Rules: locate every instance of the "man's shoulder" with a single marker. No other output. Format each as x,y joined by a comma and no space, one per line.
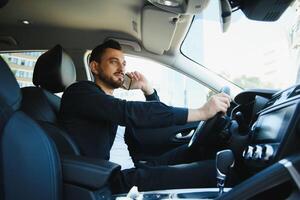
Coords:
82,84
82,87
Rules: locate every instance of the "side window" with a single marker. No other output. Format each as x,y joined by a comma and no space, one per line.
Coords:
22,65
174,88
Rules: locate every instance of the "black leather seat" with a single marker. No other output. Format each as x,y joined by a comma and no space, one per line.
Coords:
30,165
53,73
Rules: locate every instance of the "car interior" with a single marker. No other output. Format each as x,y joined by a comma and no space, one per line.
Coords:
258,137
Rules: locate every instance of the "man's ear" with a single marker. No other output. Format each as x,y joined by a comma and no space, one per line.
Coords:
93,67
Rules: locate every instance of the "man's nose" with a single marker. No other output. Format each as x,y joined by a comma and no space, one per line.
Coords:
122,67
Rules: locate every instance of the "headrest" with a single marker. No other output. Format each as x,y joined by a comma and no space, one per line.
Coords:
54,70
10,93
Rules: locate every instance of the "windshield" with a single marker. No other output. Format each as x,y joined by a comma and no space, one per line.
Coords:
251,54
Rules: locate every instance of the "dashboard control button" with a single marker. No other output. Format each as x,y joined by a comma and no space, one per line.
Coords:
257,152
268,152
248,152
245,152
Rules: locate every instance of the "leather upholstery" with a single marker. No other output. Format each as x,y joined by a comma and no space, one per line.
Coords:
43,107
65,145
40,104
30,165
54,70
87,172
10,94
3,3
31,162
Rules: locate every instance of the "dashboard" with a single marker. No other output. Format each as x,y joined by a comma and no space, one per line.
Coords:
268,120
273,119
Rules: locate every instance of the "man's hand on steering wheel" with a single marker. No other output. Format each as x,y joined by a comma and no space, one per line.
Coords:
217,103
212,119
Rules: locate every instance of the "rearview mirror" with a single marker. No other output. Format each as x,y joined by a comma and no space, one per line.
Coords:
264,10
225,14
181,6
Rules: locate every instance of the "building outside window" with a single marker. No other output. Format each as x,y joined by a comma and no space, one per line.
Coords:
22,65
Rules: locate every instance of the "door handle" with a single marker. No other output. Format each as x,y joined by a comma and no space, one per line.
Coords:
181,136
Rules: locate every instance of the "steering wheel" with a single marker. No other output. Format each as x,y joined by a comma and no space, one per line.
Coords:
207,131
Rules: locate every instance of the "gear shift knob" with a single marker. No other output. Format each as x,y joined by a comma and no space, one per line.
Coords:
224,161
225,90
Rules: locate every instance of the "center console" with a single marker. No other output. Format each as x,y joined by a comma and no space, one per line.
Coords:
224,161
201,193
272,135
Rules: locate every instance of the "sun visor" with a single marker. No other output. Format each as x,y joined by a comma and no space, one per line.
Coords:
158,28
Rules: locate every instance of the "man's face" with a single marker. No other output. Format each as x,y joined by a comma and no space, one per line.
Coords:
111,68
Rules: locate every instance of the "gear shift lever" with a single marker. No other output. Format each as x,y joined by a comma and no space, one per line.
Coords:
224,161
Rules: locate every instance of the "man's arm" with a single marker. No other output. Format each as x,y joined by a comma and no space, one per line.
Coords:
152,97
217,103
86,100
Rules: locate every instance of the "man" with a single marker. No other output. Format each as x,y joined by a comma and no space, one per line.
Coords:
91,114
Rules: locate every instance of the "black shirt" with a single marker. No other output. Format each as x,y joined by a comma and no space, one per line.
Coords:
91,117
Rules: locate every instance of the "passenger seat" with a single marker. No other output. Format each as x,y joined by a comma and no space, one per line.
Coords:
30,166
53,73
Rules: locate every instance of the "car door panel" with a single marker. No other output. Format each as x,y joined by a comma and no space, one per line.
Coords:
147,143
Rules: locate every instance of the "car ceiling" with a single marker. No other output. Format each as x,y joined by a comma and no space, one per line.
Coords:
75,24
75,14
80,25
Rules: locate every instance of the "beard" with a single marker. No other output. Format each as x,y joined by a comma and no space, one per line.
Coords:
109,80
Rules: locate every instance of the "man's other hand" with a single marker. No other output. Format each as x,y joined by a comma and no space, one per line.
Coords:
139,81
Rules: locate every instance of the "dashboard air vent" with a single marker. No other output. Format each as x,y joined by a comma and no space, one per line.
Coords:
273,100
295,92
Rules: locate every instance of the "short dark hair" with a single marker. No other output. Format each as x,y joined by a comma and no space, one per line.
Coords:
99,50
